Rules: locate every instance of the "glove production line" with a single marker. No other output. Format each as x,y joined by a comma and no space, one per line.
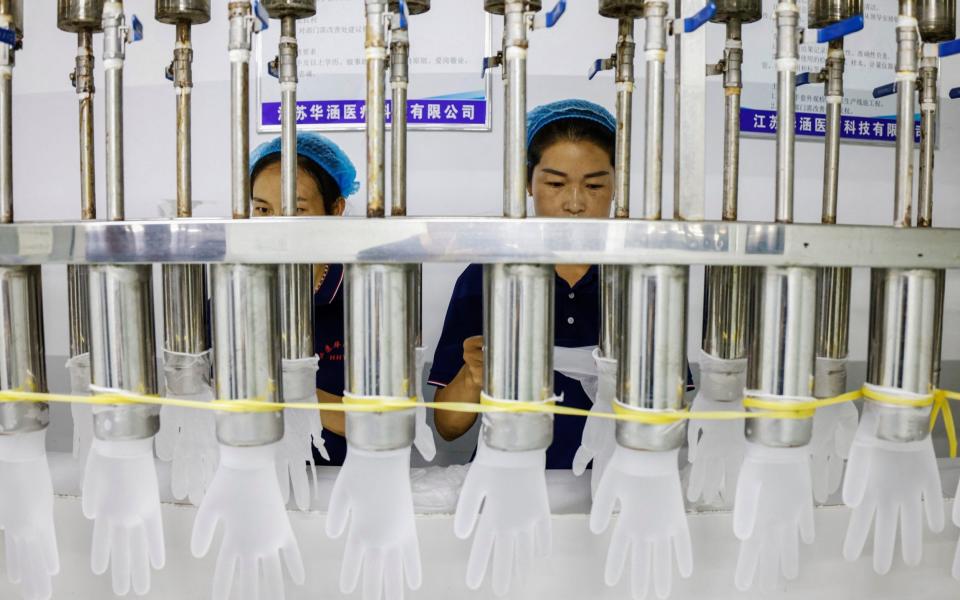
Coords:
233,406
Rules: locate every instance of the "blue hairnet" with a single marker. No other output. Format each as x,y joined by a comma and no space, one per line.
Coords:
322,152
573,108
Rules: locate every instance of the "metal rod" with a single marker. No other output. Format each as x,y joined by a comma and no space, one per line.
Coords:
7,61
241,30
83,82
114,50
655,50
689,117
928,120
376,56
833,93
787,59
515,105
183,84
907,46
399,79
732,85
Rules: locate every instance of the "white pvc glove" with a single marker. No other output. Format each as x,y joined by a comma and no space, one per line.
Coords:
78,368
245,500
772,513
716,447
886,480
423,438
956,521
599,435
121,496
26,514
833,428
652,527
188,438
514,525
295,450
372,496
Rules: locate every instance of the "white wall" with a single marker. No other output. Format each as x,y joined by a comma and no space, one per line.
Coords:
450,173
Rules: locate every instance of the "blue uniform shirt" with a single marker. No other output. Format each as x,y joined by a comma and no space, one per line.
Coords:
328,343
577,324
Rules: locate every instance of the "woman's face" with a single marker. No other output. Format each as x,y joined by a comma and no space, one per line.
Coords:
266,194
573,179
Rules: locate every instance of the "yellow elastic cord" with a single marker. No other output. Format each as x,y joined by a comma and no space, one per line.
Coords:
938,399
371,403
796,410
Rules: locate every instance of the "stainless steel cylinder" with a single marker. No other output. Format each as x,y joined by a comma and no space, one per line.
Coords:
787,58
376,60
783,366
652,373
184,296
114,51
732,85
194,12
744,11
414,7
833,311
833,93
655,51
726,306
612,280
515,108
78,307
82,78
928,122
246,358
622,9
296,299
907,46
399,79
22,356
8,14
518,327
937,20
821,13
75,16
498,7
241,31
298,9
941,284
380,357
123,348
182,70
626,49
900,349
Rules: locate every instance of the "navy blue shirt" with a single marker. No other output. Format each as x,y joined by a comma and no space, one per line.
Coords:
577,324
328,343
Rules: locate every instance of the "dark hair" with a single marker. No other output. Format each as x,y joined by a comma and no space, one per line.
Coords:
329,190
569,130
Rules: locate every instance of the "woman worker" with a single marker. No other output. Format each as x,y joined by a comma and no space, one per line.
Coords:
325,178
570,158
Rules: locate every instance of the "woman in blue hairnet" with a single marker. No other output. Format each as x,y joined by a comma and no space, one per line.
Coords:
570,169
325,178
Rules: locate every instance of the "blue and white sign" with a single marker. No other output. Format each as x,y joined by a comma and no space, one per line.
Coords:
445,90
870,60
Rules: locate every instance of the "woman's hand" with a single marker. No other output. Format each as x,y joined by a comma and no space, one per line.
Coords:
465,387
473,359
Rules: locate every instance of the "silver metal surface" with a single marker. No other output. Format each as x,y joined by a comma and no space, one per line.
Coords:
732,85
76,16
725,310
14,8
518,329
901,343
622,9
296,301
8,16
78,307
498,7
184,298
928,124
612,280
182,71
379,356
941,284
470,239
624,135
937,20
82,78
907,47
414,7
399,79
689,118
376,60
833,92
742,11
652,367
655,50
241,32
788,54
833,312
246,358
287,66
821,13
114,49
515,110
123,348
297,9
782,368
22,356
175,12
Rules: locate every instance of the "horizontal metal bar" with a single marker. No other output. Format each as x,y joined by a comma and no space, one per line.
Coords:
481,240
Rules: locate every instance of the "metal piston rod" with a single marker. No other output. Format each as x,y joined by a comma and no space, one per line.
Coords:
244,299
781,369
379,299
